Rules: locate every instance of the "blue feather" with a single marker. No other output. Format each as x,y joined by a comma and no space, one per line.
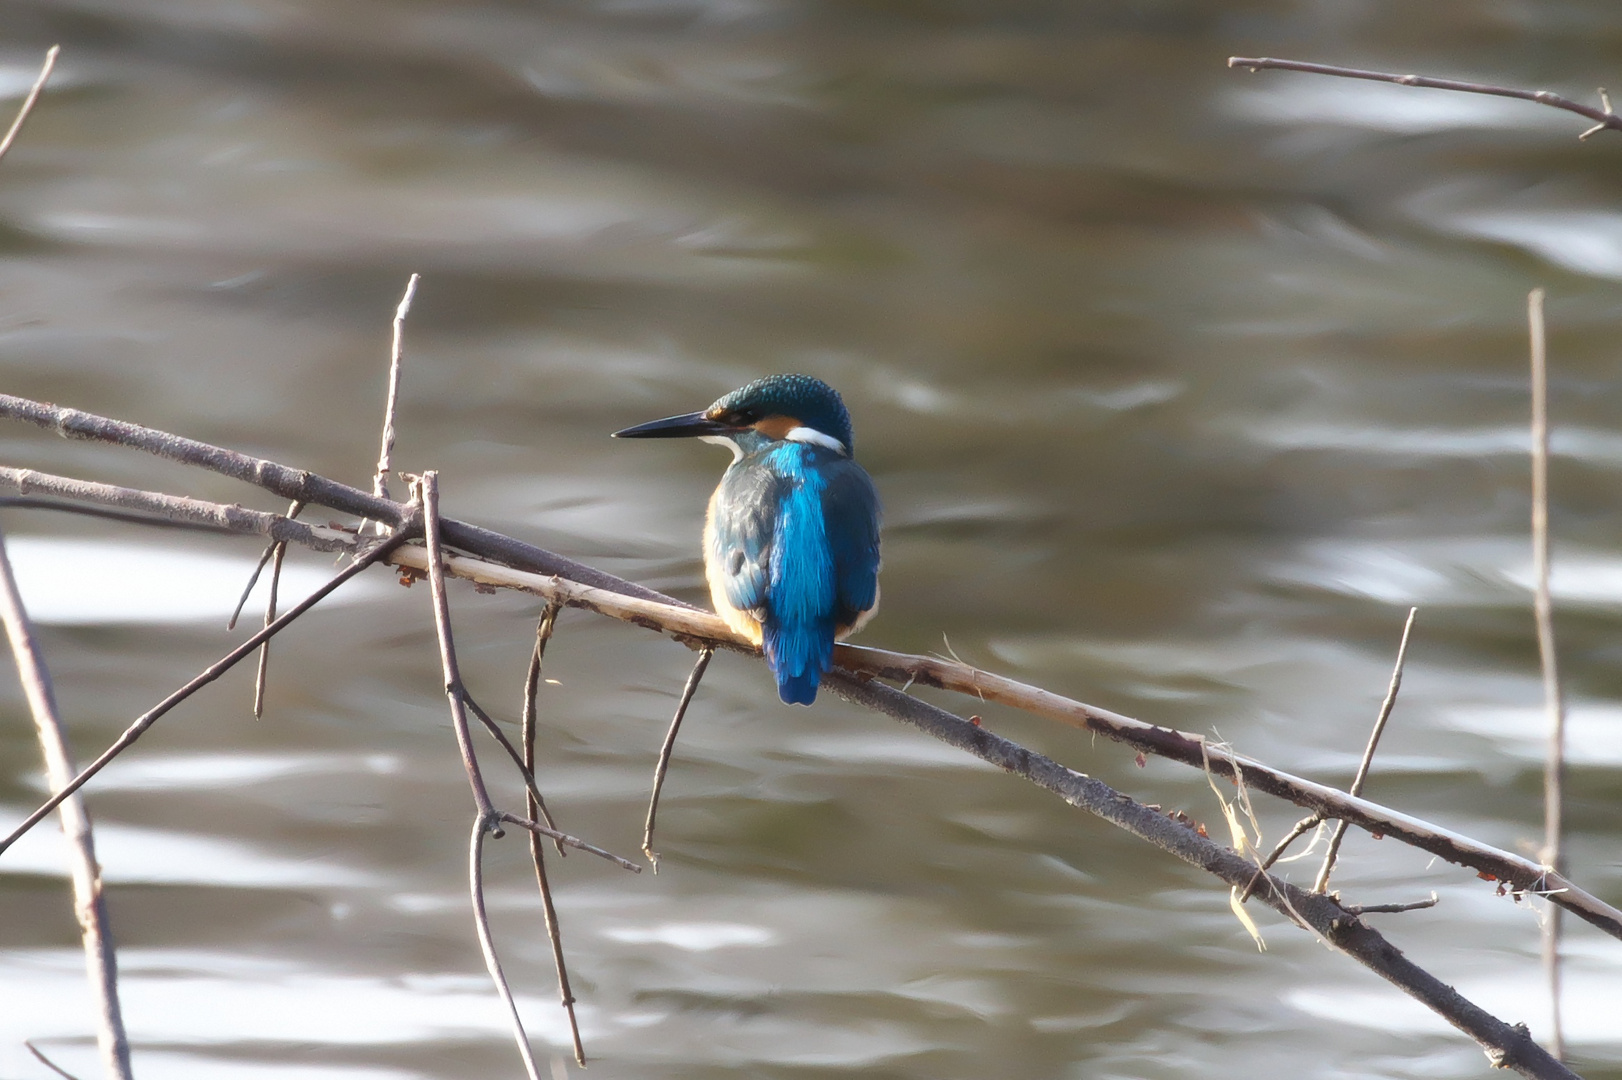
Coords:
798,631
793,540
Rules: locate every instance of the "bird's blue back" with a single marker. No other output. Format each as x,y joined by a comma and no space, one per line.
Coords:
794,540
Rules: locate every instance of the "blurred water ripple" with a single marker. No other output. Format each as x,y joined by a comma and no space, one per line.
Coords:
1179,384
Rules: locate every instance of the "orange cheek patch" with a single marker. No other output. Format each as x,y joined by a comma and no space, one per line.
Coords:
776,427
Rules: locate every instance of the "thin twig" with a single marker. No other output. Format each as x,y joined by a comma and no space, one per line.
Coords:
554,936
485,819
264,560
1604,118
481,922
537,849
263,669
1311,821
253,579
1392,909
572,841
278,553
427,492
660,769
89,903
47,1062
1328,867
380,482
1554,771
28,102
490,725
377,553
532,684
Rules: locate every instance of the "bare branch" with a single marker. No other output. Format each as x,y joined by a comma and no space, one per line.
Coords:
263,669
572,841
316,490
89,904
481,923
689,624
1604,118
194,513
537,850
524,771
1507,1046
253,579
380,481
39,1055
486,819
659,770
31,502
278,553
532,685
522,566
28,102
427,490
1391,909
1311,821
377,553
1554,771
1322,884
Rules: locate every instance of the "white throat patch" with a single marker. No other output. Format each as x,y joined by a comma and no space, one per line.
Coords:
804,434
722,440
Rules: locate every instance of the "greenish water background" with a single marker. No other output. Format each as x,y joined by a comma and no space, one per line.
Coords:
1180,385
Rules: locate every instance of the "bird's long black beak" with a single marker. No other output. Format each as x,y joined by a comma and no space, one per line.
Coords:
687,425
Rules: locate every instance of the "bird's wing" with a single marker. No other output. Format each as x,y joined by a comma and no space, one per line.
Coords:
743,518
794,540
852,513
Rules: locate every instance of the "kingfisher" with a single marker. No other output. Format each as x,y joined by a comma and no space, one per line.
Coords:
791,537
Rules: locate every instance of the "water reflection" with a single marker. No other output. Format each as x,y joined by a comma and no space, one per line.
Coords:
138,856
1179,384
187,997
88,582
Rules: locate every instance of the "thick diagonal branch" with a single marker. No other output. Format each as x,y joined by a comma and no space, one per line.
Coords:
636,604
1507,1046
305,486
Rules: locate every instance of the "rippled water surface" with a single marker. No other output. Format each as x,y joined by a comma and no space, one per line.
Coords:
1179,384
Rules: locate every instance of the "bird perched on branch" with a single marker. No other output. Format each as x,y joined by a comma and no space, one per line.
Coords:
791,540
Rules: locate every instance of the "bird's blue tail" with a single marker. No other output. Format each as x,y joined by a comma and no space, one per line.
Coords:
798,631
798,655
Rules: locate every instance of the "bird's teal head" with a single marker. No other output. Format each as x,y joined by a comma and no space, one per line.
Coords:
794,407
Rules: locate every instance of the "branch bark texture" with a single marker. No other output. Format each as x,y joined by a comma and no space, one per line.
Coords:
856,680
507,562
1508,1046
